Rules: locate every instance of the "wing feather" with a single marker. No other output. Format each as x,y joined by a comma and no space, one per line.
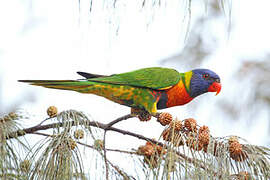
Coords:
154,78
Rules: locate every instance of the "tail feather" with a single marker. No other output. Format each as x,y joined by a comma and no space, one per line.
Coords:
60,84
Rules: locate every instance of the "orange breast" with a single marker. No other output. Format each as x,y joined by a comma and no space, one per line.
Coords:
177,95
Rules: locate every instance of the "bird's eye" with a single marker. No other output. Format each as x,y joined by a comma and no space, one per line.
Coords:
206,76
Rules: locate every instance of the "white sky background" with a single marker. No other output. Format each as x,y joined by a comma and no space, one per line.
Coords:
52,40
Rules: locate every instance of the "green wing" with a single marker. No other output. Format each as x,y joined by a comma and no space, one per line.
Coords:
154,78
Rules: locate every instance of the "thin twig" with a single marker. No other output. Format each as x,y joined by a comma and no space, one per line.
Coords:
44,121
105,155
43,134
128,116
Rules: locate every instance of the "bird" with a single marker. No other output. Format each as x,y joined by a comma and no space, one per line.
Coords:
147,89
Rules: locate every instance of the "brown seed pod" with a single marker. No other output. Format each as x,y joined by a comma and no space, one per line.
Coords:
236,151
233,139
150,149
191,124
146,150
204,129
176,125
204,138
164,118
71,144
52,111
140,150
78,134
235,148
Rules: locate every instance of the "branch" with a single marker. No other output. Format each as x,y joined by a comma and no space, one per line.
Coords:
103,126
74,118
105,154
106,127
119,119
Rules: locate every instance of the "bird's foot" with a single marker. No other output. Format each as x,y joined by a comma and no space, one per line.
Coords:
164,118
141,114
135,111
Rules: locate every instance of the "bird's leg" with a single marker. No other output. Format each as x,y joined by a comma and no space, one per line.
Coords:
135,111
162,117
156,114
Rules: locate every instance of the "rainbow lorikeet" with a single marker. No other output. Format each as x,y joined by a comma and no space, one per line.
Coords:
147,89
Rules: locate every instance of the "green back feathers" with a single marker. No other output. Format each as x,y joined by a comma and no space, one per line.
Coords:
153,78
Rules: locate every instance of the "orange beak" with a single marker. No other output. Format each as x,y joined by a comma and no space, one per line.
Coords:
215,87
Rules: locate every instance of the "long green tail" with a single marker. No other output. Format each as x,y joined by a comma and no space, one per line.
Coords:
73,85
122,94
